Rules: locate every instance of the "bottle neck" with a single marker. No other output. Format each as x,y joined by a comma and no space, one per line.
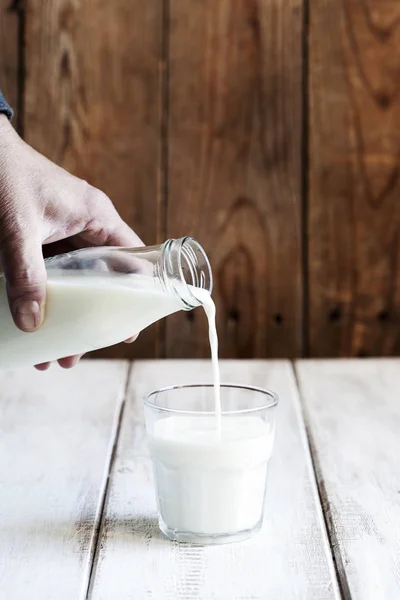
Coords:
183,267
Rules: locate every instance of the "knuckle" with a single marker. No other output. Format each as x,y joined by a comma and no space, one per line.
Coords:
14,229
96,198
26,279
98,229
84,187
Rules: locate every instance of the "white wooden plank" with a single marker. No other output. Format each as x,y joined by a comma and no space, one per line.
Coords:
289,559
56,434
353,414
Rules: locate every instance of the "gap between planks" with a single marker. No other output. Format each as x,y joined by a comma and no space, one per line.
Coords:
320,492
102,505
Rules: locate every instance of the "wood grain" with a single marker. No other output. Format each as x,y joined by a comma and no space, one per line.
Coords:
93,102
9,54
352,410
56,435
234,169
354,208
289,559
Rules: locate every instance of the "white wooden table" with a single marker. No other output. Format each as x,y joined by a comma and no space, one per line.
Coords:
77,509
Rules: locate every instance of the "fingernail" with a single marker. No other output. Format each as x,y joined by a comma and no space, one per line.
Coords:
27,314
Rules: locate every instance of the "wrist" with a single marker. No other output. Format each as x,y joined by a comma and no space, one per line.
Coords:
8,135
5,108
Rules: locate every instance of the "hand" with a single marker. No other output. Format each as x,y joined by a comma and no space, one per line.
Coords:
40,203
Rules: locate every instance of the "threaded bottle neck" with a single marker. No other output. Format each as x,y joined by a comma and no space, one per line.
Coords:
183,266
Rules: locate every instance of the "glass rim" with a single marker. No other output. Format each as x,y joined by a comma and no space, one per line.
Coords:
273,398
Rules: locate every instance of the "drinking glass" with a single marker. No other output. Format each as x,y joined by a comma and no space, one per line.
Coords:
210,470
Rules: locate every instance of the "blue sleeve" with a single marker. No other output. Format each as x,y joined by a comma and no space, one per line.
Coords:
4,107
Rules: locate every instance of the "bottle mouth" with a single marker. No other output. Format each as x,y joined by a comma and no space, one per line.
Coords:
187,257
194,266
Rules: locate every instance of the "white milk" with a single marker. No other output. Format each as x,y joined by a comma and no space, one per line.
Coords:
84,312
206,484
209,308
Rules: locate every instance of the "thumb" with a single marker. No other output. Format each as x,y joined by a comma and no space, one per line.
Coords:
25,273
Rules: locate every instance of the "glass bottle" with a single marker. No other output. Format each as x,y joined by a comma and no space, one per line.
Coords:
97,297
175,265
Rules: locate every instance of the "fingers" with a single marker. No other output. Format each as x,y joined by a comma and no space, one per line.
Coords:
69,361
66,363
123,235
132,339
24,269
105,227
43,366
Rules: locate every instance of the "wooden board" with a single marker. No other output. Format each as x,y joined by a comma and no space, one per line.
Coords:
234,169
56,436
92,104
354,208
9,54
289,559
353,415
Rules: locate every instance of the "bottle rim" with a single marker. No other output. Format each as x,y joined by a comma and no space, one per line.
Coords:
187,243
197,272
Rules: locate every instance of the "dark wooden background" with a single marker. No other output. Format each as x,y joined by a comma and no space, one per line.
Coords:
269,130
